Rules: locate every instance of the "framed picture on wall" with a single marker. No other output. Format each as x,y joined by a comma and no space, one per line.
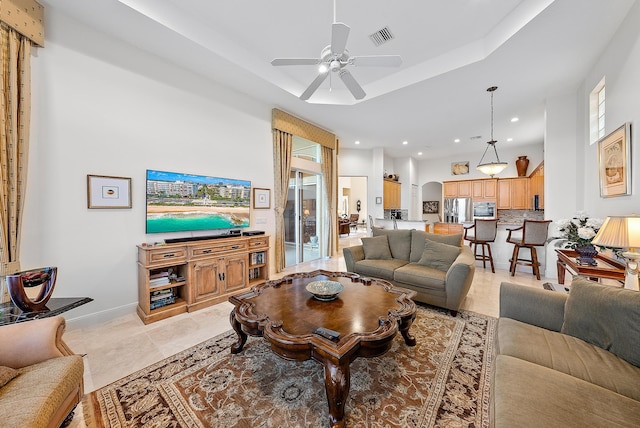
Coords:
261,198
108,192
430,207
614,162
460,168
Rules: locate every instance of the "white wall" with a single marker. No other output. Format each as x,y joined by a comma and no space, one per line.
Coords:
102,107
620,65
440,169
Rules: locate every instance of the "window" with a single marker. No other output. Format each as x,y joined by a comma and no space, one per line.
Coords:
597,112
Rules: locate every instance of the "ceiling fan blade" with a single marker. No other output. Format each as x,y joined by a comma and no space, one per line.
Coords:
296,61
376,61
351,84
339,36
313,86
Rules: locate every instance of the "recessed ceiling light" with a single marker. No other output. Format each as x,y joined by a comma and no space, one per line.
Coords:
515,119
457,140
405,143
419,153
357,142
509,139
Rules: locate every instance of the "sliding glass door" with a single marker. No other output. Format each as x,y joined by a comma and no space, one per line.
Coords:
303,218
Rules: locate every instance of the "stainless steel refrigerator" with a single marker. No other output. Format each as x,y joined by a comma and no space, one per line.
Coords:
458,210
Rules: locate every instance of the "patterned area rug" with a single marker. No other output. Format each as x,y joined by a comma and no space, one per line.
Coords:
441,382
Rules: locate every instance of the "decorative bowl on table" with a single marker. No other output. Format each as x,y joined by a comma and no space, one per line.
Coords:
325,290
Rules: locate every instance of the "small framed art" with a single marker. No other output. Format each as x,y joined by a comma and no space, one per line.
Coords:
430,207
261,198
614,162
108,192
460,168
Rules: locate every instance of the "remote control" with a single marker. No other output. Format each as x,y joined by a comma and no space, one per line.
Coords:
325,332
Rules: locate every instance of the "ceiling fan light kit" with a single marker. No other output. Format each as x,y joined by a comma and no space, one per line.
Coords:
335,58
494,167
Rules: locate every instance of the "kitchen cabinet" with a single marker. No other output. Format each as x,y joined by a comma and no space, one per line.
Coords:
457,189
520,194
536,185
391,194
484,189
450,189
513,194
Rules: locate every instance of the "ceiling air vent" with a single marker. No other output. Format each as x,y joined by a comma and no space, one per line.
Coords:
381,36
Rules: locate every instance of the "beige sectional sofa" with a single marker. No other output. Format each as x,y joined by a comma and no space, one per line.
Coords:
437,267
567,360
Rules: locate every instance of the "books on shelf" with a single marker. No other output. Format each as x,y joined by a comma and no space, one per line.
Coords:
254,273
160,298
257,258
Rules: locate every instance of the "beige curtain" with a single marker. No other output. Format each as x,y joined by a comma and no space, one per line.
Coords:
328,174
282,148
15,99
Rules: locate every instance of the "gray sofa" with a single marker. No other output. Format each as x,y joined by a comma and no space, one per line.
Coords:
567,360
437,267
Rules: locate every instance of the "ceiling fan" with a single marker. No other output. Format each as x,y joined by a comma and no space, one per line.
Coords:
335,58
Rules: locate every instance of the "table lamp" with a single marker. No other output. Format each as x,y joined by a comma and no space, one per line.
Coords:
623,232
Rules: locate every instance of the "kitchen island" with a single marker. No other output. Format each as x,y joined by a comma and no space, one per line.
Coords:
403,224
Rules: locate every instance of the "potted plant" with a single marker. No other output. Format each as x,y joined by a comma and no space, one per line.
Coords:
578,233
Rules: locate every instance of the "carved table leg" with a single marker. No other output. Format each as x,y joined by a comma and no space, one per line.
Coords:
405,325
242,336
561,269
337,381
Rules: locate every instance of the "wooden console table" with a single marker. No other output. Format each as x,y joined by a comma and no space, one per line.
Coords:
606,267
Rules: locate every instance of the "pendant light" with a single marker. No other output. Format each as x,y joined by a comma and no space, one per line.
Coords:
491,168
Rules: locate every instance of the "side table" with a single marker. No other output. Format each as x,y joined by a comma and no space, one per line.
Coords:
11,314
606,267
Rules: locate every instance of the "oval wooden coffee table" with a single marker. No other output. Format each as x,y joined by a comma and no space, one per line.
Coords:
367,314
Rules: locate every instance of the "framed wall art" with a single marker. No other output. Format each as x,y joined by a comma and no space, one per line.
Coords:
614,162
460,168
430,207
108,192
261,198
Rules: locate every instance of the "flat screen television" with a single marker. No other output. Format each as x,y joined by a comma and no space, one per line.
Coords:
186,202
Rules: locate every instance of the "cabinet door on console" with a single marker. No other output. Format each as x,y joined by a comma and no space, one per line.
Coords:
235,272
206,275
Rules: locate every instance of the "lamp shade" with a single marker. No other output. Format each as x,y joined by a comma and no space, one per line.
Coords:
619,232
492,168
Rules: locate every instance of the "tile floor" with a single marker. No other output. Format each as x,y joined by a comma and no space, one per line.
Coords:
124,345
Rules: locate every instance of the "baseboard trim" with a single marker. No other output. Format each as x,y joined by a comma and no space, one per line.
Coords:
100,317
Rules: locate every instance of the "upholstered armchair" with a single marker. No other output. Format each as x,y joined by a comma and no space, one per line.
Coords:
44,377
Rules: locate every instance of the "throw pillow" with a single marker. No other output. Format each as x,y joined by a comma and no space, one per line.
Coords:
438,255
376,248
605,316
6,374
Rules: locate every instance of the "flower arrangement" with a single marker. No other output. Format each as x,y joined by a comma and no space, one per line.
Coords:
580,230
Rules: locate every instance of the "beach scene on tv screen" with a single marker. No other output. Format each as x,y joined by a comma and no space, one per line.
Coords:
184,202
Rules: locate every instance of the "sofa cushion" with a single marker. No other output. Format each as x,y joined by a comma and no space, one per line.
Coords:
6,374
605,316
379,268
418,238
44,386
420,276
569,355
438,256
376,248
526,395
399,241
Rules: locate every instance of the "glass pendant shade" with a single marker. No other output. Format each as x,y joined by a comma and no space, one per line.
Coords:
494,167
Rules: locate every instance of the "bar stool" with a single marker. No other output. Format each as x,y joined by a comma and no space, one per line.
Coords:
534,234
485,233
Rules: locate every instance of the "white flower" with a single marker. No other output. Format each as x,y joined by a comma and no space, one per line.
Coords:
562,223
594,223
586,233
582,215
576,221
